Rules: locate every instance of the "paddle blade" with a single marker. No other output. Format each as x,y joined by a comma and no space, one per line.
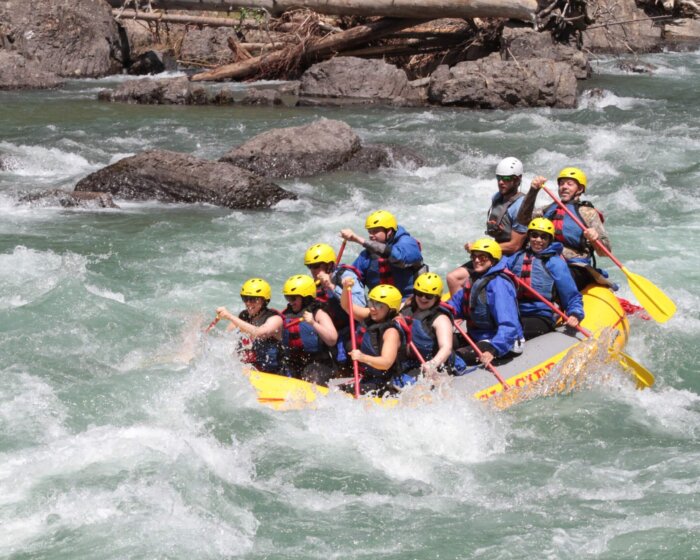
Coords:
656,303
644,377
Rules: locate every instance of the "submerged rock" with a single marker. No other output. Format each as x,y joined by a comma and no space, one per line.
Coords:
66,199
299,151
374,156
168,91
174,177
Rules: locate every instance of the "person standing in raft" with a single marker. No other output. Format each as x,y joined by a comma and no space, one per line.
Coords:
578,244
391,256
307,333
501,223
541,266
429,324
488,304
382,341
263,326
320,260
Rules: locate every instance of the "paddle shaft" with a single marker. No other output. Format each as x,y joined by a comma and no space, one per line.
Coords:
644,377
548,303
657,304
480,354
353,338
212,324
340,252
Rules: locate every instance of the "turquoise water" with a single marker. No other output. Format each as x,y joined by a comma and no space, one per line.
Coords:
124,433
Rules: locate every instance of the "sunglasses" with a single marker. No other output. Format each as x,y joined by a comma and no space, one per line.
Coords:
425,296
538,235
292,299
506,178
377,304
480,256
314,266
251,299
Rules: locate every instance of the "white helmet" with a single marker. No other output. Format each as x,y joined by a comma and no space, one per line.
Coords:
510,166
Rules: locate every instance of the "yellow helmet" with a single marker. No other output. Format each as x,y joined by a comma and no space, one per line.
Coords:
487,245
542,224
386,294
428,283
381,218
574,173
256,287
319,253
300,285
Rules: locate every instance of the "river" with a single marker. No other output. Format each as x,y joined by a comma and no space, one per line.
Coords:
125,433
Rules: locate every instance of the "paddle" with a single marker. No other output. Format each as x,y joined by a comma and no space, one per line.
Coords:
340,252
353,338
479,353
212,324
657,303
644,377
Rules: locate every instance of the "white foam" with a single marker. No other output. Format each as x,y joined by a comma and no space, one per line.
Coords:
27,274
105,293
47,165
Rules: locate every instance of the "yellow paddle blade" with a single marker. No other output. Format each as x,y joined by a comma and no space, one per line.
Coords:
657,304
644,377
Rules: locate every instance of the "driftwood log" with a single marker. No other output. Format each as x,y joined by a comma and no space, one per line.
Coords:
316,50
524,10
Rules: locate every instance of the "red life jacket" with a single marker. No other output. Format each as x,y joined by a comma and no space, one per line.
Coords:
526,277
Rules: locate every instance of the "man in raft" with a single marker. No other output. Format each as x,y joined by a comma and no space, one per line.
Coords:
541,266
320,260
578,243
501,223
488,304
390,256
261,346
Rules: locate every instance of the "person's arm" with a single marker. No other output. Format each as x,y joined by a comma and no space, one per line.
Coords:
443,332
527,208
359,312
595,230
517,240
390,350
323,325
569,295
358,289
405,253
268,329
500,297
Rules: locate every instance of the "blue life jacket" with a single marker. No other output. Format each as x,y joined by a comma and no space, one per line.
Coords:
371,344
398,269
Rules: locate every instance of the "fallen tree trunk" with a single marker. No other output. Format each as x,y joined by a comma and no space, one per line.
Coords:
419,9
316,50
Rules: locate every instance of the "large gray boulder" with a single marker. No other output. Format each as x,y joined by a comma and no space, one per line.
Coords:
523,43
71,38
492,83
175,177
17,72
300,151
351,80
